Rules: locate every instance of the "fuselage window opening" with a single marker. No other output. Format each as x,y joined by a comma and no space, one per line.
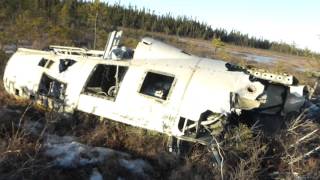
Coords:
157,85
17,92
105,81
42,62
65,64
51,87
49,64
46,63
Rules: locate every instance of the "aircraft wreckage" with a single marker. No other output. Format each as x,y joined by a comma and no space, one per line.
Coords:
155,86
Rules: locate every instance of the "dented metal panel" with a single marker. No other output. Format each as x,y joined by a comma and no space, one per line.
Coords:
219,83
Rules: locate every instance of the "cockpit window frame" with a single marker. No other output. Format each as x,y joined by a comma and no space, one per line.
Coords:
158,99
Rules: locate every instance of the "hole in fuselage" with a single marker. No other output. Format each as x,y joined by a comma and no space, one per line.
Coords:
32,97
251,89
17,92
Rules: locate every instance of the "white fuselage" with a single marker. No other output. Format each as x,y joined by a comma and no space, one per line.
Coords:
198,85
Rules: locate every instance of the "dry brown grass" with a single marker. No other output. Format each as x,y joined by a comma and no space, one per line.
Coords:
301,137
247,155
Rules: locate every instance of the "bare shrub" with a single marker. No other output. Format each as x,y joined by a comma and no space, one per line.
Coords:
19,155
199,165
300,144
245,153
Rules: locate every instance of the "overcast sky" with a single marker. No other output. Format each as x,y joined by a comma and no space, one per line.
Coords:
291,21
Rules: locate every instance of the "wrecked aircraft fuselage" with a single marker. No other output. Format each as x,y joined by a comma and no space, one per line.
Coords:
155,86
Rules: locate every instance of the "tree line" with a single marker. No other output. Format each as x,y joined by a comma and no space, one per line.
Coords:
72,22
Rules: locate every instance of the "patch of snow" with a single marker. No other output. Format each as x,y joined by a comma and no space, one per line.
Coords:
55,139
32,127
96,175
137,166
68,153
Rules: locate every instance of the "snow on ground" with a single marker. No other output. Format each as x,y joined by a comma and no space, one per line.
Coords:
32,127
66,153
95,175
137,166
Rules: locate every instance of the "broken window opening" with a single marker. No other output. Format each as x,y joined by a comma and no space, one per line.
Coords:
65,64
49,64
42,62
105,80
32,97
121,53
17,92
46,63
157,85
51,87
188,127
